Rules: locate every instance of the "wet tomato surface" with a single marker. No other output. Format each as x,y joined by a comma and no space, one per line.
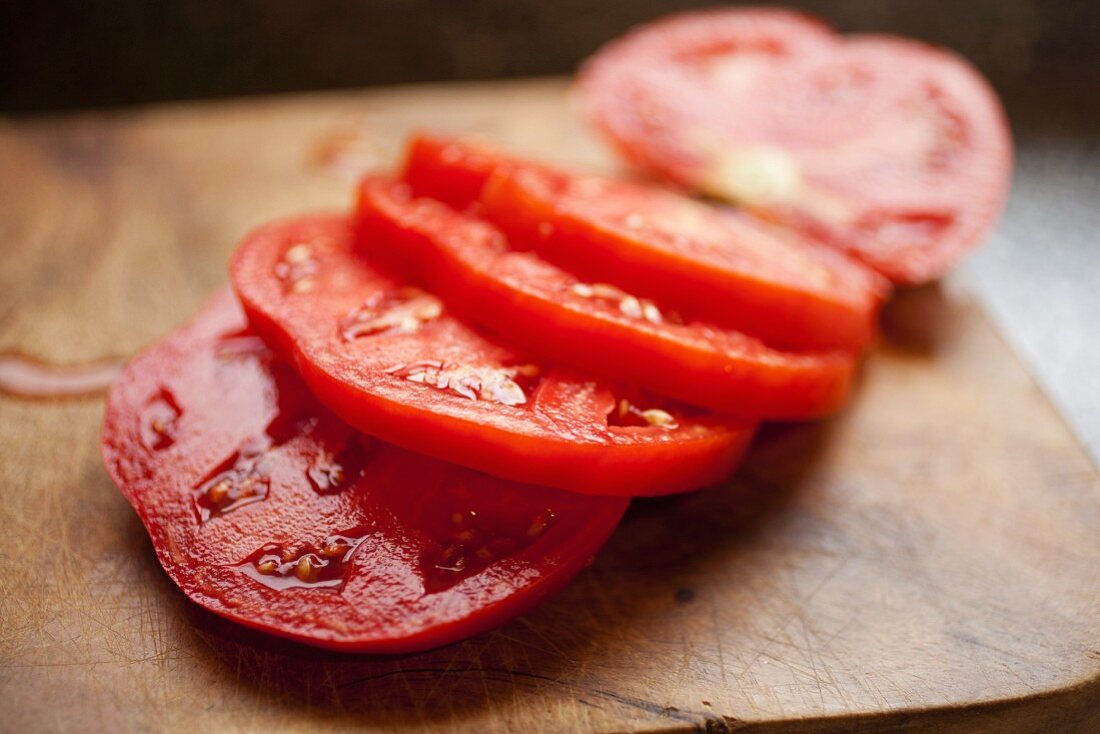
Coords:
448,170
597,326
265,508
390,360
891,150
708,263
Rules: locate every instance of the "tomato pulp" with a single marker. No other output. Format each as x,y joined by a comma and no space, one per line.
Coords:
264,508
550,311
891,150
448,170
709,264
391,361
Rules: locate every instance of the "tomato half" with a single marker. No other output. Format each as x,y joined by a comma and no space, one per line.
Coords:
266,509
710,264
389,360
547,310
891,150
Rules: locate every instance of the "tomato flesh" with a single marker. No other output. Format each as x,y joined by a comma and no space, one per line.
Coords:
890,150
710,264
632,88
392,362
448,170
716,265
547,310
265,508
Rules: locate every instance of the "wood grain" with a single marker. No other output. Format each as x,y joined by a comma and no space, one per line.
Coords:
927,561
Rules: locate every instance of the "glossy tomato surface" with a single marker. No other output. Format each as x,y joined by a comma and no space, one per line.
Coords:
547,310
265,508
451,171
891,150
712,264
390,360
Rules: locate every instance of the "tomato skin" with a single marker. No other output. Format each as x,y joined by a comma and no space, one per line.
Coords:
531,303
893,152
559,438
213,401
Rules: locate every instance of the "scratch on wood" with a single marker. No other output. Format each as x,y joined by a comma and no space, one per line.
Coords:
667,712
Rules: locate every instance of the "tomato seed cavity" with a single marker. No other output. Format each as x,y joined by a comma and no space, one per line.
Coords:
322,564
401,311
159,421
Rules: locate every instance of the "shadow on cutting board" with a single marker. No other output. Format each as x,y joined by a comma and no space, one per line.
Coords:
918,320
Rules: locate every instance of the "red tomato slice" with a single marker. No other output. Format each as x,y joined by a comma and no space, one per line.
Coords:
599,327
893,151
266,509
390,361
710,264
448,170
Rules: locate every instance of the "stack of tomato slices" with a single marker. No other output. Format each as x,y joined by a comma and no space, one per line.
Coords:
410,423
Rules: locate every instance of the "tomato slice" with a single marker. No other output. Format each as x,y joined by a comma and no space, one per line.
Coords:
547,310
451,171
631,88
389,360
714,265
710,264
266,509
891,150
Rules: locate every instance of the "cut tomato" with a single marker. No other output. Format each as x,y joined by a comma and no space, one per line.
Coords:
266,509
710,264
448,170
549,311
389,360
890,150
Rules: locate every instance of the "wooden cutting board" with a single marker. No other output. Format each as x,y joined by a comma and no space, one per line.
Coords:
928,560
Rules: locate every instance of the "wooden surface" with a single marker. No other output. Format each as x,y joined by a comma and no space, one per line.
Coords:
1047,244
929,560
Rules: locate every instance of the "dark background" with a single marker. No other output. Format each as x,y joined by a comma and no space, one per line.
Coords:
63,55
